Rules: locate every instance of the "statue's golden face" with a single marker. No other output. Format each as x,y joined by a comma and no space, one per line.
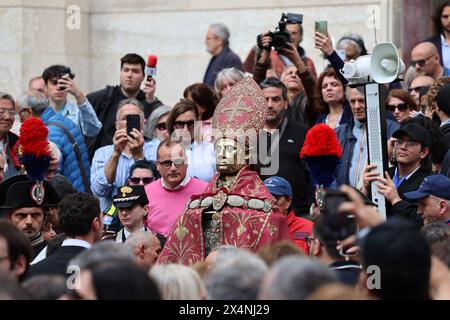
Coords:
230,156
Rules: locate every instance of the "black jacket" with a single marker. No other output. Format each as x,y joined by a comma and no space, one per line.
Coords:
56,263
405,208
105,104
445,168
290,166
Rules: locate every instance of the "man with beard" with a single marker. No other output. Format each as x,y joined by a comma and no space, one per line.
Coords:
284,139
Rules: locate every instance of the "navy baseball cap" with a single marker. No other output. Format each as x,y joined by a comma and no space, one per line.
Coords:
436,185
278,186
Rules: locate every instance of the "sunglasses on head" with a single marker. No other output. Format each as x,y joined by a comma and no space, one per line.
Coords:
161,126
182,124
145,180
401,107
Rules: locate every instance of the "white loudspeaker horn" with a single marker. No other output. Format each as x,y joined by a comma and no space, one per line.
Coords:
386,64
357,71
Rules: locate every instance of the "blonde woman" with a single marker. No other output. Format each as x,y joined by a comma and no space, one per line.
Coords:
178,282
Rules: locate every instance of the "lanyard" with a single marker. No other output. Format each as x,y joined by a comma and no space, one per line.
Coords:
396,180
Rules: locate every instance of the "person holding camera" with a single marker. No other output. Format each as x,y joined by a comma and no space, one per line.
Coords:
59,83
293,32
298,105
111,164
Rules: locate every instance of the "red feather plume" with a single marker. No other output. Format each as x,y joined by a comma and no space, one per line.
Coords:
321,140
33,139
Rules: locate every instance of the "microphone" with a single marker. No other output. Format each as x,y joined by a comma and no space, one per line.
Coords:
150,68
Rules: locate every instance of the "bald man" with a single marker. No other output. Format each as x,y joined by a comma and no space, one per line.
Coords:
419,83
145,246
425,58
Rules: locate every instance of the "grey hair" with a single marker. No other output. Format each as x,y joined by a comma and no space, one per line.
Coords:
102,251
296,278
153,119
222,32
238,277
436,231
132,101
224,252
347,91
8,97
138,237
178,282
37,103
232,74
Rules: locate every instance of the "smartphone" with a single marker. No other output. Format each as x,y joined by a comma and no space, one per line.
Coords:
322,27
65,72
339,225
133,121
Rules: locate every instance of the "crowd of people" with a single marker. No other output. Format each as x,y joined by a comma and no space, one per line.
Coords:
103,207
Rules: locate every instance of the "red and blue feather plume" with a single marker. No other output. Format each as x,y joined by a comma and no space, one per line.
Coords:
322,152
34,151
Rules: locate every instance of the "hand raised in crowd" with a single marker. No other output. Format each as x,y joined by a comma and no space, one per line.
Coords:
323,43
265,39
149,90
365,215
69,86
391,148
136,144
387,188
120,140
290,52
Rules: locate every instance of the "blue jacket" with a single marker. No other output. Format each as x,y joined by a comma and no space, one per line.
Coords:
69,165
348,141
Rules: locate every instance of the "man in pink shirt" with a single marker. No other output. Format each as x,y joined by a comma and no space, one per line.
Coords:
168,196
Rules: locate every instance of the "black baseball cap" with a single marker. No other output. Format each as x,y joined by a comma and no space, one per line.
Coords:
415,132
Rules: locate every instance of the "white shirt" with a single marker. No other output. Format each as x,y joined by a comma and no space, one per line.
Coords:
76,243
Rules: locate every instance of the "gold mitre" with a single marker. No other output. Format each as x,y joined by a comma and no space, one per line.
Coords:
242,111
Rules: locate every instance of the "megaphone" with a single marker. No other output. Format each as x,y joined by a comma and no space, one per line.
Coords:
386,64
357,71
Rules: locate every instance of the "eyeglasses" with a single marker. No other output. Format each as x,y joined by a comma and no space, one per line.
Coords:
145,180
161,126
401,107
182,124
4,258
418,89
409,143
421,62
11,112
168,163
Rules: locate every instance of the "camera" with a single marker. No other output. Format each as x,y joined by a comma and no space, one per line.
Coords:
280,37
339,225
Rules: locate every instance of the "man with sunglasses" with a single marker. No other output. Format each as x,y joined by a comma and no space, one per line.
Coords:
419,87
412,147
168,196
425,58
